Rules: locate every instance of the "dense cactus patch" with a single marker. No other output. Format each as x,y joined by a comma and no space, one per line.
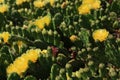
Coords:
59,39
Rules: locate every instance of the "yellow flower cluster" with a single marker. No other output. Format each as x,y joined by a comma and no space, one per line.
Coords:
84,9
100,35
3,8
87,5
20,65
19,2
1,1
39,4
73,38
5,36
42,3
43,21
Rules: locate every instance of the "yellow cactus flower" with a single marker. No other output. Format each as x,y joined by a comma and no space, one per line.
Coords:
84,9
40,23
87,5
100,35
88,1
52,2
1,1
42,3
96,4
32,55
73,38
3,8
5,36
43,21
46,19
39,4
24,65
20,65
11,68
19,2
93,4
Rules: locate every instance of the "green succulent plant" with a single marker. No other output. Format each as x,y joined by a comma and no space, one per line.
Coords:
75,39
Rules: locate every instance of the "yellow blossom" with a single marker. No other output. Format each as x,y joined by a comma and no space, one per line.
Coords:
88,1
100,35
52,2
24,65
20,65
87,5
43,21
73,38
39,4
28,0
40,23
3,8
11,68
93,4
5,36
46,19
84,9
1,1
32,55
96,4
19,2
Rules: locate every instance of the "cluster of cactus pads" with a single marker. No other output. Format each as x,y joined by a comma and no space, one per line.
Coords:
59,39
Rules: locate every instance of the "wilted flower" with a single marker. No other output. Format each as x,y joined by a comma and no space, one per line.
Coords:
100,35
20,44
73,38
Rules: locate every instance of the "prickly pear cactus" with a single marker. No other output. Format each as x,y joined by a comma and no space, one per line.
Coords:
59,39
